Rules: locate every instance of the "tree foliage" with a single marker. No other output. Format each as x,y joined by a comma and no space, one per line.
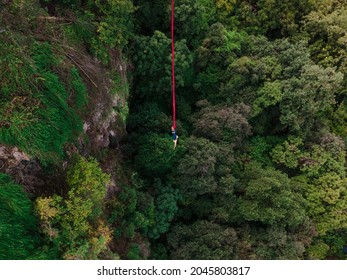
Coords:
76,223
221,122
152,60
259,171
165,208
202,240
271,198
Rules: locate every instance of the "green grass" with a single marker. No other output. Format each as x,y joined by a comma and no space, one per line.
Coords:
34,110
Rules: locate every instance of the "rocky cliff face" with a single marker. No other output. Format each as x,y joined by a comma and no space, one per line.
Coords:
103,123
102,128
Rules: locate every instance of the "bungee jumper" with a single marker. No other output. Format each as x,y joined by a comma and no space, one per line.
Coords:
173,127
174,136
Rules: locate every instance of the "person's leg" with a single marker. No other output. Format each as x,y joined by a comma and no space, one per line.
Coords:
175,142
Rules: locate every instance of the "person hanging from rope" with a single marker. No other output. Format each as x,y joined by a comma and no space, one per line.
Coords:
173,127
174,136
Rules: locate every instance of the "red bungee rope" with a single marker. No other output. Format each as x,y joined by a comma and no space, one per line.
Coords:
173,84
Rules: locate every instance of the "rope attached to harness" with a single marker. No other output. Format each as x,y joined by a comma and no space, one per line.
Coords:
173,84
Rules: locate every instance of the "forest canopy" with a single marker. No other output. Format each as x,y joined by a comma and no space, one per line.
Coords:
259,171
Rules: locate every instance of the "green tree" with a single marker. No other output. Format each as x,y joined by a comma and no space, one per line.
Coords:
202,240
156,156
221,123
192,19
82,232
152,58
308,99
131,213
279,243
282,84
204,169
149,16
260,148
325,29
325,157
271,198
148,118
318,251
274,18
102,25
217,50
288,153
165,208
114,26
195,171
257,62
326,198
321,172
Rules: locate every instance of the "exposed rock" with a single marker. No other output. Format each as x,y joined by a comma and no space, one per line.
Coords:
11,157
86,127
102,111
19,156
3,152
18,164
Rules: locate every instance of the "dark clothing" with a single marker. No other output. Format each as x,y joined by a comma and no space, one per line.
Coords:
174,135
